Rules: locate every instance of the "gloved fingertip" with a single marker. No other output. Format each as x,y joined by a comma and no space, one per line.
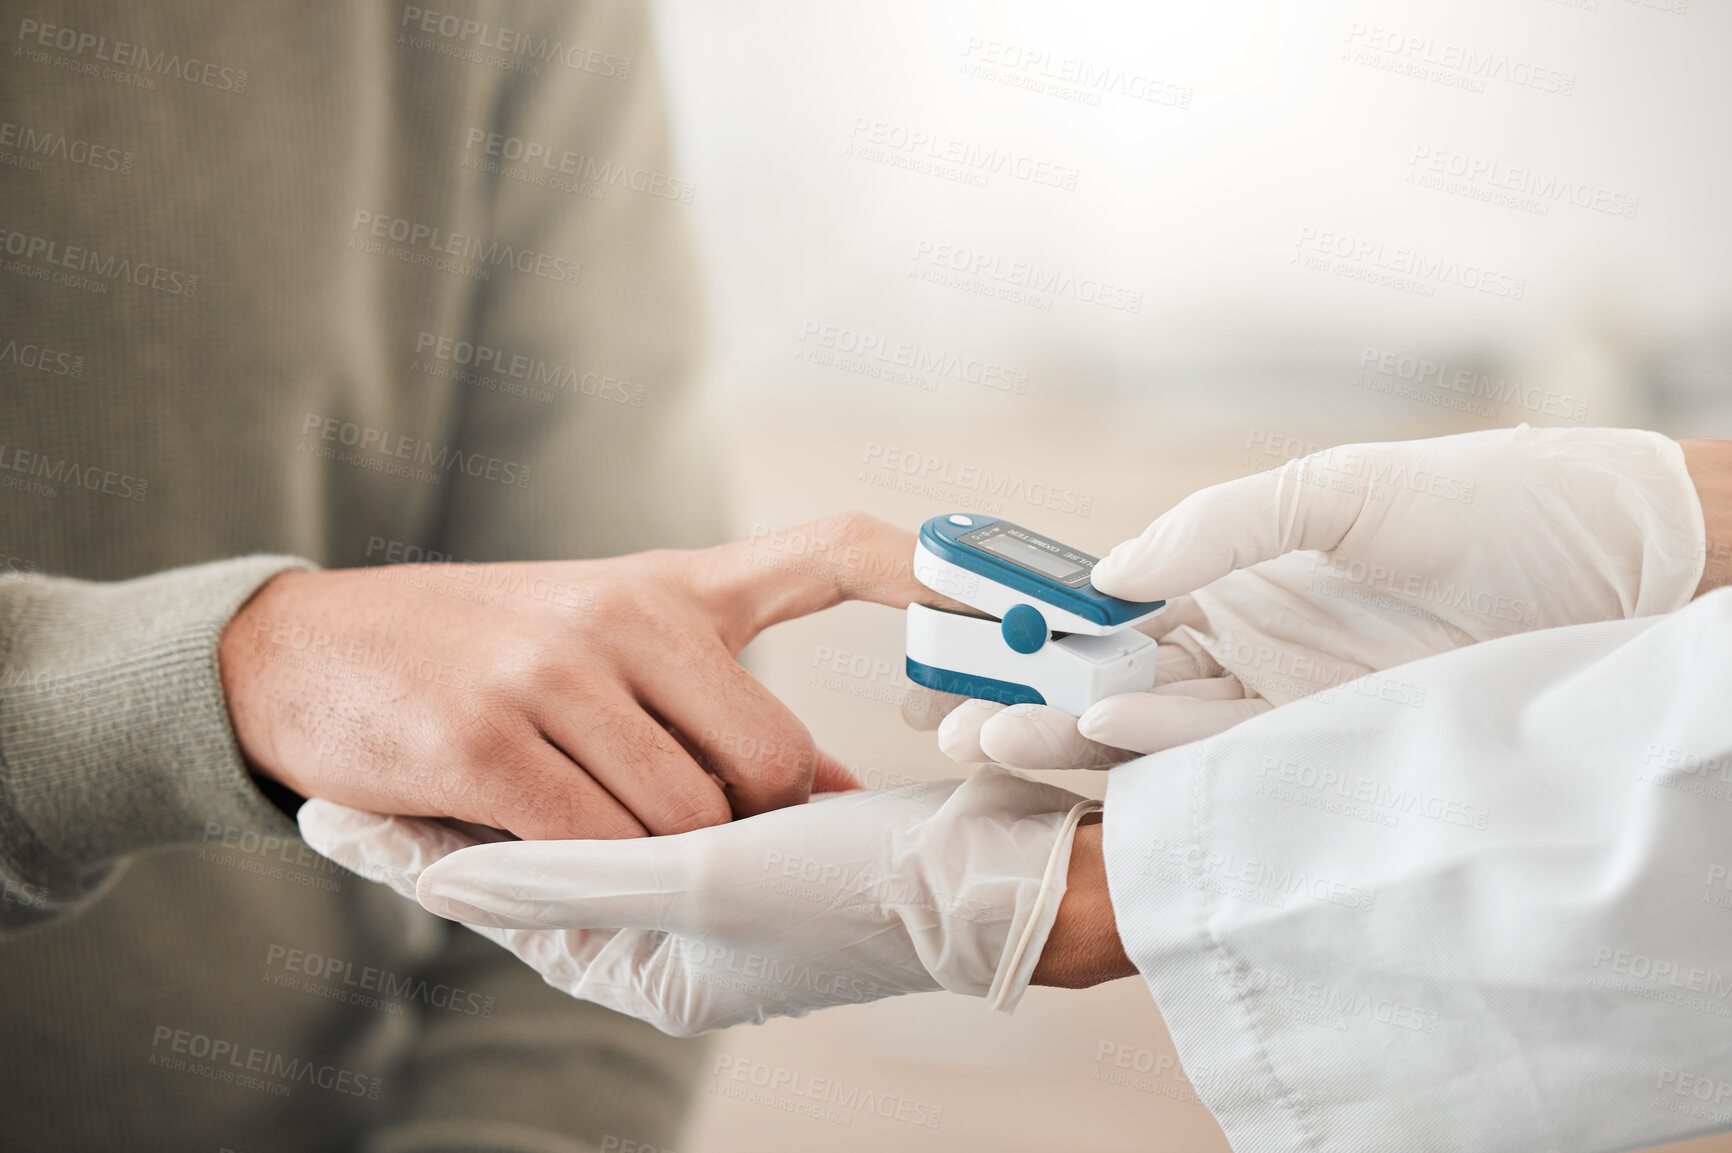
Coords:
1097,722
1123,721
441,902
1037,737
1117,574
1148,569
455,910
959,733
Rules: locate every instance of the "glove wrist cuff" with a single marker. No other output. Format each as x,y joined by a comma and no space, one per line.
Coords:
1027,941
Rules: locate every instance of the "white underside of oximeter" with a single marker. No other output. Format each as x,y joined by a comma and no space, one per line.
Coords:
1070,673
977,592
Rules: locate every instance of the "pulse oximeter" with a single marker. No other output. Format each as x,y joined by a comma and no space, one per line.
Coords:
1052,638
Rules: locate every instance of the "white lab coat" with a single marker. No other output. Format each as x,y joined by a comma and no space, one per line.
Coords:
1478,902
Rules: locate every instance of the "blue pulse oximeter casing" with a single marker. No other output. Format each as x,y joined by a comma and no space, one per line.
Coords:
1056,640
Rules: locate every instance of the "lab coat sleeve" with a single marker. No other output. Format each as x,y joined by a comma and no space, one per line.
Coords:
114,733
1478,902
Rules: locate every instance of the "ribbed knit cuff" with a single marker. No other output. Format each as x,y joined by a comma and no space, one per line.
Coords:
114,733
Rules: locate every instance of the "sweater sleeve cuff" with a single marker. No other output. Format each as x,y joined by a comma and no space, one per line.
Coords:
114,731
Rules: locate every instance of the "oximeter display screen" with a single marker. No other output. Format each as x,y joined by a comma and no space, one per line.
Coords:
1028,556
1031,551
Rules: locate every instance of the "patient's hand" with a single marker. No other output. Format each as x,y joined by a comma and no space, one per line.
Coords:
595,698
1365,557
853,897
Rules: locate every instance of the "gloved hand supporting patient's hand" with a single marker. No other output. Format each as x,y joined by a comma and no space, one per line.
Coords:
1361,558
850,898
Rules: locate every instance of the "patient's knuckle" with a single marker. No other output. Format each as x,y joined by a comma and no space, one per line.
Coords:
620,600
695,809
553,813
488,730
511,786
782,762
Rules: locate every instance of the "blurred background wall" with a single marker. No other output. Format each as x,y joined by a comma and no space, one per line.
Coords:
1067,263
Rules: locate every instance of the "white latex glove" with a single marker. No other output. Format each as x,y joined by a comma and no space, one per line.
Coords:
1361,558
853,897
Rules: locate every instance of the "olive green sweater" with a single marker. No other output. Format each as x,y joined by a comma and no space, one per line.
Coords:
286,284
